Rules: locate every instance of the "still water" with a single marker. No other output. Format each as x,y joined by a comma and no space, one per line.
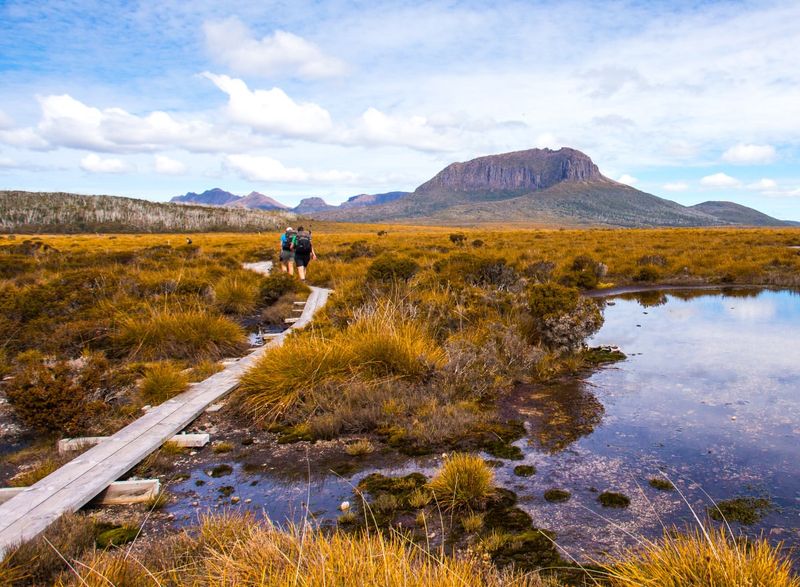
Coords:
709,397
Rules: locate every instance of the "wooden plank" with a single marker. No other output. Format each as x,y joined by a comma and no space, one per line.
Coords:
77,482
81,443
291,320
118,493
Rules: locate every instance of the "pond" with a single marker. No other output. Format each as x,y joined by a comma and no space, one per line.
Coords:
708,398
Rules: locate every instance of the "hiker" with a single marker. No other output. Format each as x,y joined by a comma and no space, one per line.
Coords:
303,251
287,251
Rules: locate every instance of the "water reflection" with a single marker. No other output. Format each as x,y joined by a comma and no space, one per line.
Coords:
558,415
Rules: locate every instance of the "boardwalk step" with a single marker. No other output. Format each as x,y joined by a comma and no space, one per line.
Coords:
291,320
182,440
118,493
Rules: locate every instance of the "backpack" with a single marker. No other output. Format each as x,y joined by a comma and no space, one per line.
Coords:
286,245
302,243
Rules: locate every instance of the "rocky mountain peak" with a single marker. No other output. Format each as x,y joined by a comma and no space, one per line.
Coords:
520,171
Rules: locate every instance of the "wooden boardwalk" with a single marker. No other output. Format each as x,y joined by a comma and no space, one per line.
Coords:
80,480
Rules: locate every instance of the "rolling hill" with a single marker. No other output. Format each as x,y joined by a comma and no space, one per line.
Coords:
29,212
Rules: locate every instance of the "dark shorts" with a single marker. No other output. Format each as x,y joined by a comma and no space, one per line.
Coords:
302,260
286,256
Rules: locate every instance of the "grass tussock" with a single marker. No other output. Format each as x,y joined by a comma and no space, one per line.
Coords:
183,334
237,293
464,481
163,381
37,471
378,345
703,557
231,550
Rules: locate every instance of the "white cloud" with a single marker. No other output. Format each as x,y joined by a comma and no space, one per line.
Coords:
7,163
628,179
263,168
168,166
720,180
749,154
231,43
378,128
5,121
763,184
93,163
272,111
677,186
67,122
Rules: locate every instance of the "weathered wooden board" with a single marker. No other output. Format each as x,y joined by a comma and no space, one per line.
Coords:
118,493
76,483
84,442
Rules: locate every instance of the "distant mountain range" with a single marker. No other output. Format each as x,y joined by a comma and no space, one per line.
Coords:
257,201
538,186
548,187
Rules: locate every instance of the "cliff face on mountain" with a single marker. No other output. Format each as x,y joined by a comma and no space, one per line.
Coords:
520,171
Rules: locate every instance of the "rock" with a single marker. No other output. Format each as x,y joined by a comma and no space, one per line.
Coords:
345,505
235,499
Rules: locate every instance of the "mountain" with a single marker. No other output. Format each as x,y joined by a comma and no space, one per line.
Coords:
256,201
560,187
312,206
212,197
372,199
57,212
737,214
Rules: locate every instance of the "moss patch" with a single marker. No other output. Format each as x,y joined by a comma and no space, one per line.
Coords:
745,510
661,484
226,490
611,499
221,470
557,495
603,354
108,537
504,450
524,470
528,551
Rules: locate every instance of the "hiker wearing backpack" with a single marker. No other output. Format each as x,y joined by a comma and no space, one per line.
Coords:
287,251
303,251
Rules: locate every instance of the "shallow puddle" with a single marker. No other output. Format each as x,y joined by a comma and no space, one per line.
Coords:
709,398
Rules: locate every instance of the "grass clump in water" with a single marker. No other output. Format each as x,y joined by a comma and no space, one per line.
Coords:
611,499
557,495
661,484
464,481
745,510
524,470
220,470
359,448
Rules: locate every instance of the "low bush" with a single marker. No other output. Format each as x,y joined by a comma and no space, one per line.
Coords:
163,381
464,481
560,318
57,396
390,267
278,284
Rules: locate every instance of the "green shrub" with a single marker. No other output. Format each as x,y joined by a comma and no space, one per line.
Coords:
57,397
163,381
647,274
389,267
476,270
464,481
560,318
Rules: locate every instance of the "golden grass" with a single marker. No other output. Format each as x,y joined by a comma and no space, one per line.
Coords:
228,551
703,557
181,334
37,472
379,345
237,293
163,381
464,481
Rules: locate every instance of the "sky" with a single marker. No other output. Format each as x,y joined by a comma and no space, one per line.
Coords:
692,101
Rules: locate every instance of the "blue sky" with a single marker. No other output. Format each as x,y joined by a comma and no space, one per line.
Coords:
692,101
